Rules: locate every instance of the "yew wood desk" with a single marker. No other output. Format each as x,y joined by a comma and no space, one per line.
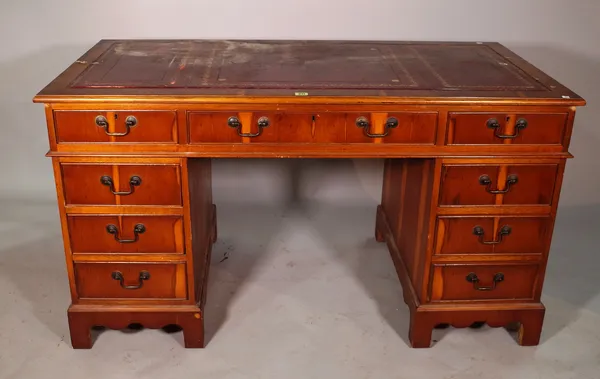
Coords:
475,141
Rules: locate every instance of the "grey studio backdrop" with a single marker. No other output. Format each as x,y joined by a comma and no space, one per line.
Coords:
40,38
299,233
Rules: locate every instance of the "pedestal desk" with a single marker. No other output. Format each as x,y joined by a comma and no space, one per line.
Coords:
474,138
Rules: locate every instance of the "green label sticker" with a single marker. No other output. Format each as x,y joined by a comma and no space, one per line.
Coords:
301,93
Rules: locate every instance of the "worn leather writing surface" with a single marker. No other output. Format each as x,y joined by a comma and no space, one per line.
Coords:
282,68
239,64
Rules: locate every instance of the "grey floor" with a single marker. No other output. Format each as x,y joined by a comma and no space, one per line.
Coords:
306,292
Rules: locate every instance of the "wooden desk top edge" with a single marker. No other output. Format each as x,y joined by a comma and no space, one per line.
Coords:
60,91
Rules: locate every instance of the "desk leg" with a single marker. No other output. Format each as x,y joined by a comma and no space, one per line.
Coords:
80,329
531,328
82,318
420,330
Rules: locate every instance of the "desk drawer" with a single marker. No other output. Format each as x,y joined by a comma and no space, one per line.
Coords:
484,282
398,127
126,234
492,235
116,126
502,128
130,281
323,127
122,184
517,184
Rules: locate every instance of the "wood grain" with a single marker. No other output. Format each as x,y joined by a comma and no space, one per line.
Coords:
83,318
167,281
406,203
542,129
182,94
162,234
528,235
203,223
160,184
450,284
80,126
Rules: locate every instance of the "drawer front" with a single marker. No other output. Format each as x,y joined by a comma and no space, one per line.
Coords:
270,127
492,235
130,281
498,185
232,127
501,128
104,184
116,126
126,234
484,282
397,127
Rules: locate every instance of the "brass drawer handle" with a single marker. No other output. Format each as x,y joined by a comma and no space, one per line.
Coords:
362,122
235,123
472,278
485,180
130,122
134,181
118,275
137,230
493,123
504,231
